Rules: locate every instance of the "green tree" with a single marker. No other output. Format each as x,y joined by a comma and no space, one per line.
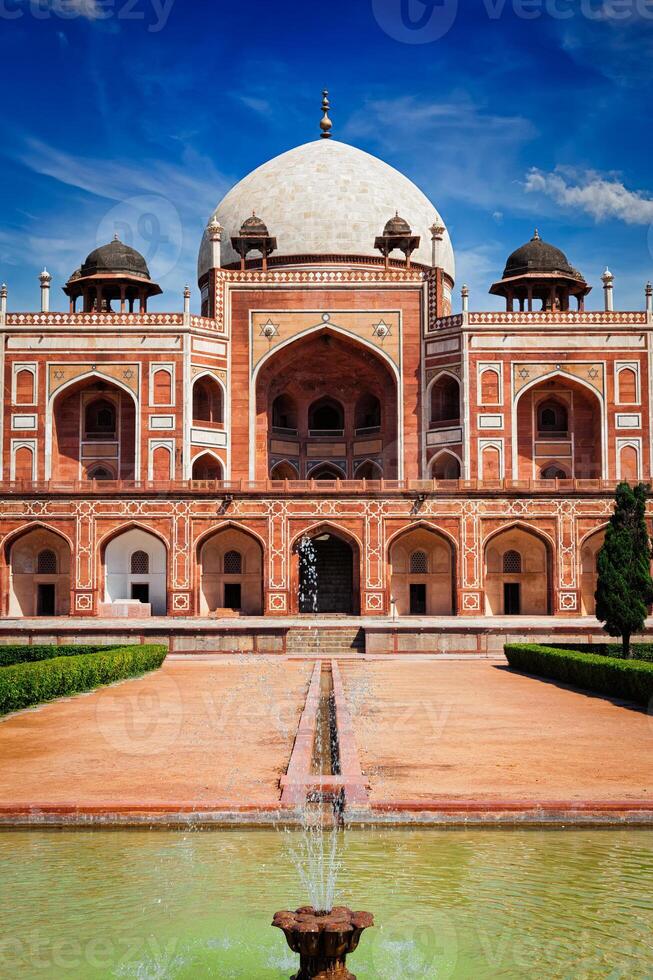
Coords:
625,588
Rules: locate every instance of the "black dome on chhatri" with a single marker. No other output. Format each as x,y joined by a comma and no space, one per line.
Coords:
396,226
253,226
538,256
116,258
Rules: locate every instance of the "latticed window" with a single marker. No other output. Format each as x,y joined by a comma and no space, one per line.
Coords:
419,564
46,563
512,563
233,563
140,563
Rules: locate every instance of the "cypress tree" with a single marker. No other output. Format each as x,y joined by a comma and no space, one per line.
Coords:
625,588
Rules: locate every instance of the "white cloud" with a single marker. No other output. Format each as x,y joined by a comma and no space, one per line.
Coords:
599,195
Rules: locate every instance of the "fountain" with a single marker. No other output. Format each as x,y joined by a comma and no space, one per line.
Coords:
323,934
323,940
308,602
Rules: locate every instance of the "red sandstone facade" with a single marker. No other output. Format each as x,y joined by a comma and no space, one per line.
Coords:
440,464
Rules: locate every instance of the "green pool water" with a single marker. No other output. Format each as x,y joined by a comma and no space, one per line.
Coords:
556,904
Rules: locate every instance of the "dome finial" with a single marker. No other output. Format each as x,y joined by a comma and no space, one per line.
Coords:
536,236
326,124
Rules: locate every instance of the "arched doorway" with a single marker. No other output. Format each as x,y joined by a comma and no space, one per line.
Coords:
422,574
327,573
207,467
230,566
208,407
517,574
39,574
558,430
135,563
445,466
445,401
589,553
93,426
284,471
328,398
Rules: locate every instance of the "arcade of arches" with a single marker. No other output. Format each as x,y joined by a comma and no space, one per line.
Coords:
326,409
423,573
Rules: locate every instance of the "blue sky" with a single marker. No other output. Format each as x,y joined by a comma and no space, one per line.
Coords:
138,115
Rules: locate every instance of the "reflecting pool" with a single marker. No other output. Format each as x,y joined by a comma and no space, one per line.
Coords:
474,903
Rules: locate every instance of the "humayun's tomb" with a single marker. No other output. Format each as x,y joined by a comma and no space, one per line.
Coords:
170,464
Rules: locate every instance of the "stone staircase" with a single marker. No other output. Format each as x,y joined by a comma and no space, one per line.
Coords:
325,640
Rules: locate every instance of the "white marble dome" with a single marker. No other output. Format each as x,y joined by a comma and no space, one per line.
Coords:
327,198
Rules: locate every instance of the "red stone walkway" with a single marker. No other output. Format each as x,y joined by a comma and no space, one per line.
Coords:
191,733
474,731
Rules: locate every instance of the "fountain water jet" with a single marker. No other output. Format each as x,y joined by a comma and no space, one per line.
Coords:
322,934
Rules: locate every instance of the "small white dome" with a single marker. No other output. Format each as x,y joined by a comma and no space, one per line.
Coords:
327,198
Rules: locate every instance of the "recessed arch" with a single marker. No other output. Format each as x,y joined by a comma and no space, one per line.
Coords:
129,459
284,470
444,396
221,582
427,591
35,587
368,469
524,592
338,566
320,363
207,465
583,445
448,463
208,400
319,471
588,549
126,582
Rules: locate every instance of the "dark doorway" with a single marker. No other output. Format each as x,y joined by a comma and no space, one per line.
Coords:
334,565
418,600
141,592
511,599
45,600
232,595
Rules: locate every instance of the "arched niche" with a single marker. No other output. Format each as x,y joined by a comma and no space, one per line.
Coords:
206,466
317,394
208,402
517,574
121,583
589,553
94,423
39,563
422,573
337,573
230,563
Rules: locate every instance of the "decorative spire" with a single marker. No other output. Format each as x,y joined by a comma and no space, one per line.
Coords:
536,236
326,124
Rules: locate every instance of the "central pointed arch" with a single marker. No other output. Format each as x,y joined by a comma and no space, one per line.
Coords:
338,556
324,378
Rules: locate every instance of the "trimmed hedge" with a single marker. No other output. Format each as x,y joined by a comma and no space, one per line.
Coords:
639,651
618,678
23,653
26,684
